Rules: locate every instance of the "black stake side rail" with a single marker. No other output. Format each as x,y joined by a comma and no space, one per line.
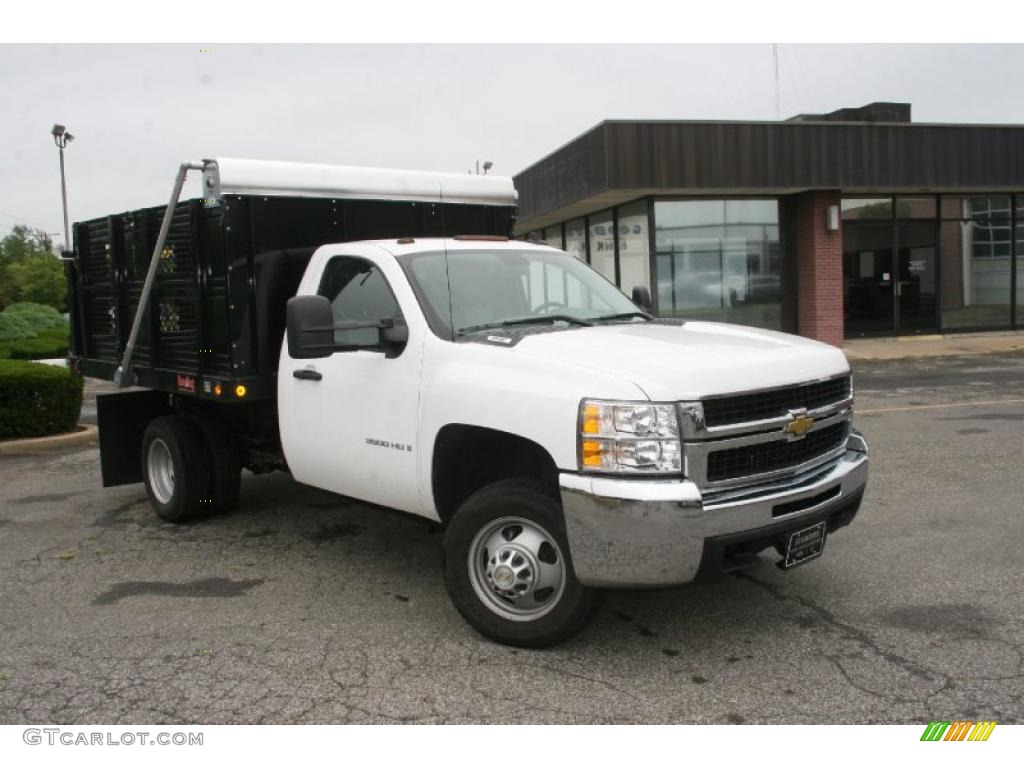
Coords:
221,282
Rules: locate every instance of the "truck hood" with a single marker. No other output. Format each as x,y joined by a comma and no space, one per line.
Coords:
690,361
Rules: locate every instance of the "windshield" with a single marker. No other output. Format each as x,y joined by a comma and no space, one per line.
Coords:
491,288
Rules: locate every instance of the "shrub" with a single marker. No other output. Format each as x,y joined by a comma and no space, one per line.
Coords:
38,316
37,399
13,327
50,343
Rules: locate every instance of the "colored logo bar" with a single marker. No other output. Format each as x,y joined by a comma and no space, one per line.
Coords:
958,730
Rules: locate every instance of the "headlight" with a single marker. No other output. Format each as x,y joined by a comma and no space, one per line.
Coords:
629,438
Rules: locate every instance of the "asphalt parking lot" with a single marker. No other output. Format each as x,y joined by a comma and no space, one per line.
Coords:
303,607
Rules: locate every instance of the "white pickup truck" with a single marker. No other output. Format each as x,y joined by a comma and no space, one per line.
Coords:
566,439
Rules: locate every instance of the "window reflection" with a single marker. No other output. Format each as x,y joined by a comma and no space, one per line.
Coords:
860,208
1020,266
719,260
602,244
634,247
976,262
576,238
915,207
975,207
553,236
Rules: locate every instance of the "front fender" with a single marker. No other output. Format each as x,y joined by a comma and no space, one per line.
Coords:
502,389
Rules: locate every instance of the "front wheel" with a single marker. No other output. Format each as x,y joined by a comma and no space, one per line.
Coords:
508,570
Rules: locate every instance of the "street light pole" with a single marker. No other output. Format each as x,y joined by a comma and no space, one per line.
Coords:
62,138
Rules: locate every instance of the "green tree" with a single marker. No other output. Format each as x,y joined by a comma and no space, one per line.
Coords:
30,270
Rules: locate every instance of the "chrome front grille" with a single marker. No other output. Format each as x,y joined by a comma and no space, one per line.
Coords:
767,404
741,440
771,456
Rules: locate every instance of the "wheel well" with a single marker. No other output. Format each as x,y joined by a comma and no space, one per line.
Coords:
467,458
252,426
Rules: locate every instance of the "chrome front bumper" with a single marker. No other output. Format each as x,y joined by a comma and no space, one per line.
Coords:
648,533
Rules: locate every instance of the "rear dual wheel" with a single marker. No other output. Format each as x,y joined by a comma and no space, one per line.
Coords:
189,467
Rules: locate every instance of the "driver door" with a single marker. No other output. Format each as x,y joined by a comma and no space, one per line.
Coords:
349,420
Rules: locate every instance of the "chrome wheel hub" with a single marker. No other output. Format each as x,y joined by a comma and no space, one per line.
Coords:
160,467
517,569
511,571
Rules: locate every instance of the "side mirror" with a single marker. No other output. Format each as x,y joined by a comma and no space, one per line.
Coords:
396,333
642,297
310,327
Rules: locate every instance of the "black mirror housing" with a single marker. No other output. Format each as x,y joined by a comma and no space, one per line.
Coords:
396,334
642,297
310,326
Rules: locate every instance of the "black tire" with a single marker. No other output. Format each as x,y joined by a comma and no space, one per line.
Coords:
223,464
523,499
185,494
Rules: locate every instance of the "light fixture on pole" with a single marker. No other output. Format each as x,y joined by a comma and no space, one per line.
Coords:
62,138
487,166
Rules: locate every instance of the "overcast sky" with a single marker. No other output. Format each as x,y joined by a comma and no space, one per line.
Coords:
137,111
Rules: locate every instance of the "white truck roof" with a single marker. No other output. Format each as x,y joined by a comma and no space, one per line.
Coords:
238,176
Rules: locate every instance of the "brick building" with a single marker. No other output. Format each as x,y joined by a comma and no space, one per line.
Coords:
853,223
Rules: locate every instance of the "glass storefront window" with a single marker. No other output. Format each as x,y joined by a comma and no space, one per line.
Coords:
975,207
634,247
719,260
976,276
576,238
1020,264
860,208
553,236
602,244
922,207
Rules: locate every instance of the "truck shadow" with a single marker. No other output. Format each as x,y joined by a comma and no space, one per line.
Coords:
400,548
281,528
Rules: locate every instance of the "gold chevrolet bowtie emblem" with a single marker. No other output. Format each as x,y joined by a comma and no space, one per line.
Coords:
798,425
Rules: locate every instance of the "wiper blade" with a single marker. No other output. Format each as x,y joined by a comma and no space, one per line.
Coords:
526,321
624,316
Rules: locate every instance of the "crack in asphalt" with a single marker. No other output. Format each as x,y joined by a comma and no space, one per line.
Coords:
847,631
850,632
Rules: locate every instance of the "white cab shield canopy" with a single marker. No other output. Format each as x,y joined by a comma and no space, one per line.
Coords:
236,176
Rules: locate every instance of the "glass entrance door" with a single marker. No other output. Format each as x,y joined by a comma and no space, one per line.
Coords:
889,272
868,280
915,275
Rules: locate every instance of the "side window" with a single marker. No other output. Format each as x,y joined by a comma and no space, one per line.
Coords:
358,292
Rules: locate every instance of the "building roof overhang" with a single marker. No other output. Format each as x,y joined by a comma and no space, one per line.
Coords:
618,161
